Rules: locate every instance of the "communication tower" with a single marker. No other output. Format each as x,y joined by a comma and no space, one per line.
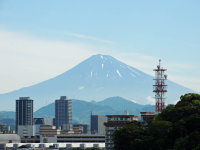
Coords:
160,87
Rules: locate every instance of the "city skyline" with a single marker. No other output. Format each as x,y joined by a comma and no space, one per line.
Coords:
40,41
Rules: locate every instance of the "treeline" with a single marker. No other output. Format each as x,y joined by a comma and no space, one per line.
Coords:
176,128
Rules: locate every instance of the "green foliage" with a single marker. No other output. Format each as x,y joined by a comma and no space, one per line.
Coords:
123,137
177,128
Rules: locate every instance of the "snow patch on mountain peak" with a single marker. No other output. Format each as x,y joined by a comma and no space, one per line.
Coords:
102,65
134,101
119,73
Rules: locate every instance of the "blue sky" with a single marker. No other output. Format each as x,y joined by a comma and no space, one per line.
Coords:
41,39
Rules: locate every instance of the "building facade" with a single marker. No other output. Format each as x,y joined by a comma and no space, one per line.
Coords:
63,113
113,123
24,117
97,124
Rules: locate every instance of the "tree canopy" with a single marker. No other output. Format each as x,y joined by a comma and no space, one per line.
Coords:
177,128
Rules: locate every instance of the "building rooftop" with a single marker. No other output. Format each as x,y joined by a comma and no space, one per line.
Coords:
122,115
9,138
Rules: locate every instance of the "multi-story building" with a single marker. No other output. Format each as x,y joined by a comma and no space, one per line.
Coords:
97,124
63,113
24,117
113,123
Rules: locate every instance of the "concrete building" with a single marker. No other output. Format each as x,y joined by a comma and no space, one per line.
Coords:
63,113
97,124
26,131
113,123
24,117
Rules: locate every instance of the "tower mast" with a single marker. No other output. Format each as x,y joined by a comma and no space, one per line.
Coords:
160,87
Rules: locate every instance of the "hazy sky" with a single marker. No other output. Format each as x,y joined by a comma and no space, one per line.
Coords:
40,39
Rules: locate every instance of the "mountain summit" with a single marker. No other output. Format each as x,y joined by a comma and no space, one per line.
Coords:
97,78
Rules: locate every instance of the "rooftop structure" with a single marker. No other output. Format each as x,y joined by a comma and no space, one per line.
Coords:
9,138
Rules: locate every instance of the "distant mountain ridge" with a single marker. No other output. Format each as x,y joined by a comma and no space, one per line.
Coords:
81,109
96,78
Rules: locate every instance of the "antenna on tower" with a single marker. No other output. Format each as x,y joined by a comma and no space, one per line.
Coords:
160,87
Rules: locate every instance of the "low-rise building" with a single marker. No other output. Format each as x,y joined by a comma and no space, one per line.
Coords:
48,130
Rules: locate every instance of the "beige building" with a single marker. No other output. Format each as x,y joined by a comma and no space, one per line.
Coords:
49,130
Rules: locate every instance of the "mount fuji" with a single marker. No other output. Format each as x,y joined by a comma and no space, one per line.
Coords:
97,78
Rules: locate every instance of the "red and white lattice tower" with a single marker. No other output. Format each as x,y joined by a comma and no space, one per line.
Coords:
160,87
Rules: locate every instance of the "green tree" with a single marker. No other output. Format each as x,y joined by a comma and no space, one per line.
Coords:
176,127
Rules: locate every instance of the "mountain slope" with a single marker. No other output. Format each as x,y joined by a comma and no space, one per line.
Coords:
96,78
81,109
